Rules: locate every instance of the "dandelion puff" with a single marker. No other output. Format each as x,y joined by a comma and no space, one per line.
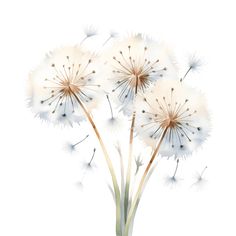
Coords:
71,147
65,73
200,180
176,113
194,63
134,64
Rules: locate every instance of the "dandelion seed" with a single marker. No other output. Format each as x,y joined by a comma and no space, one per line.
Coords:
111,110
200,180
72,147
68,71
114,121
112,35
89,31
139,163
87,166
193,65
133,65
172,180
80,185
180,112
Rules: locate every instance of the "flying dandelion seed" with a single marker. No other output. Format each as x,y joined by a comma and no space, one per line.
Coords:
111,110
89,31
114,121
86,166
194,64
173,180
112,35
180,112
135,63
71,147
67,72
200,179
139,163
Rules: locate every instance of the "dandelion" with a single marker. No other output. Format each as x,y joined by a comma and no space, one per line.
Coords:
133,64
67,73
64,87
174,120
175,113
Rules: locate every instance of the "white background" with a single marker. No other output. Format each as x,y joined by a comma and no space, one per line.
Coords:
38,191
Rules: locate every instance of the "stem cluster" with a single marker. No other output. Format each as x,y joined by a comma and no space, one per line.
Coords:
125,206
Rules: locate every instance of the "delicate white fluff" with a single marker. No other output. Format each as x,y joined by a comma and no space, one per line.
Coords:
134,64
51,84
181,110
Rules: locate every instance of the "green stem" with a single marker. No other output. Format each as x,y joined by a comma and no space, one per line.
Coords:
109,164
122,184
136,200
129,167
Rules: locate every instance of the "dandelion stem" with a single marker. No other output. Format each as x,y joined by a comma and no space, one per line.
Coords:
141,185
128,175
108,161
122,185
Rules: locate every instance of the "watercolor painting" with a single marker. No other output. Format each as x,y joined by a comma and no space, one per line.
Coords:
114,123
139,75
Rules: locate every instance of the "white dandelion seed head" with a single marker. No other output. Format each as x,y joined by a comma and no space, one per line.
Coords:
180,110
133,64
66,72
